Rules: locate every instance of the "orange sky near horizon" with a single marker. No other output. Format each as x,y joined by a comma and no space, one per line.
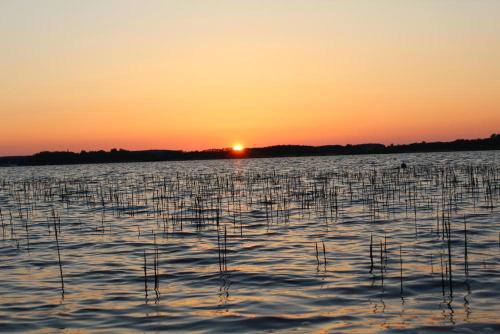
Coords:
207,74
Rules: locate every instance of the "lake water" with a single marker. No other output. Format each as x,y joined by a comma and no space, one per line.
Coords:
263,245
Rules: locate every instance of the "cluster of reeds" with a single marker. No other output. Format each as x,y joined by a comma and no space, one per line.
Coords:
230,203
156,276
56,219
324,255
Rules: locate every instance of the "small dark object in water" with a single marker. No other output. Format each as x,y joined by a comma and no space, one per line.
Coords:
403,165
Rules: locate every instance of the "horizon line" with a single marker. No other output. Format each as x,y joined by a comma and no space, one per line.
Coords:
229,148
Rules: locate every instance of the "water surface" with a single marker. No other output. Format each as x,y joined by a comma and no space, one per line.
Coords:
277,215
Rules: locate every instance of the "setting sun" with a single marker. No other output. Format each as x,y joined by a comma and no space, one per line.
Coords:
238,148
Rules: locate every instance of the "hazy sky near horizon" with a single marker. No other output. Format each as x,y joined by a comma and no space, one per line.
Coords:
98,74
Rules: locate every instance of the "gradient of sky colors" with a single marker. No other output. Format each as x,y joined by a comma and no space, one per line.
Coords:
98,74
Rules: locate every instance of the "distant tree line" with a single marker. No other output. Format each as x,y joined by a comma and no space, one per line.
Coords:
121,155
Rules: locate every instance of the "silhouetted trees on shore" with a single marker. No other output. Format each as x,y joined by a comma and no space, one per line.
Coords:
121,155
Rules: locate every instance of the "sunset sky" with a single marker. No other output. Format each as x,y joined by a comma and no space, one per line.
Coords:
99,74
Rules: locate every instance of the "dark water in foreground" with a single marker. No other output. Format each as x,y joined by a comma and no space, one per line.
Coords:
275,213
